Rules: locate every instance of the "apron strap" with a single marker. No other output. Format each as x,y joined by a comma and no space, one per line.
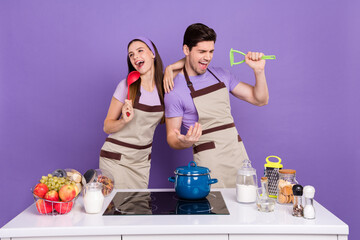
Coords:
214,75
137,97
189,83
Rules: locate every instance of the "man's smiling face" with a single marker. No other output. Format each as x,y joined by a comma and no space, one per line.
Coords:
199,57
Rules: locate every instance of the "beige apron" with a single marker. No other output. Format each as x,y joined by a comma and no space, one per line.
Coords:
126,154
220,147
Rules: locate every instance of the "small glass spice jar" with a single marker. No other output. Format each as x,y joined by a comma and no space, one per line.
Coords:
298,209
309,210
287,180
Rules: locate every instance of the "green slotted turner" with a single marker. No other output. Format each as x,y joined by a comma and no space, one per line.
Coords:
232,51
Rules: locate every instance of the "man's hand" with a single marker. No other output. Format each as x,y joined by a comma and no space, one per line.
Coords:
192,136
253,59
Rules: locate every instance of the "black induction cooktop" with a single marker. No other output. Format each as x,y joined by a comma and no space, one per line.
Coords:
164,203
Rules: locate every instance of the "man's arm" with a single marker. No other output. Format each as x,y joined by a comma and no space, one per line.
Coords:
178,141
258,94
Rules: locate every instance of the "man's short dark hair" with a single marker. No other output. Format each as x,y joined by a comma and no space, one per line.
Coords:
198,32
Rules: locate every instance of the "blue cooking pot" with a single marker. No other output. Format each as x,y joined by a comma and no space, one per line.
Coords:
192,182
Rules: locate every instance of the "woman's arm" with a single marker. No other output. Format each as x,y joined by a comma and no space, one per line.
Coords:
112,123
170,73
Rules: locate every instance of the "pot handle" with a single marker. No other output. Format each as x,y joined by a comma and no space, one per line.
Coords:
171,179
189,165
212,181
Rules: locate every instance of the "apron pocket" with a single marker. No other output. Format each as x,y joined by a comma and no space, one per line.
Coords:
149,157
110,155
203,147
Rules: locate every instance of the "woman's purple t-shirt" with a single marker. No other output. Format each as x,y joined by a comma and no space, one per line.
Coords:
147,98
178,103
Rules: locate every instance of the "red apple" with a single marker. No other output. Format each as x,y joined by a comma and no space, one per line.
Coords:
67,193
43,206
63,207
40,190
52,195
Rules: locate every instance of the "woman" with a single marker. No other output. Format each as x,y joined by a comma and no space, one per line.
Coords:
126,153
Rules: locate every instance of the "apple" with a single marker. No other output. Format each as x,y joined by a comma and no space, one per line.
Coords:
76,189
52,195
63,207
40,190
67,193
43,206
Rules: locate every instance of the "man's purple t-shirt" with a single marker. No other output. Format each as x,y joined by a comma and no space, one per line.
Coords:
178,103
147,98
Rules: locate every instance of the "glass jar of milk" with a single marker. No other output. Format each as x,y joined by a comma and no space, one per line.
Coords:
246,183
93,197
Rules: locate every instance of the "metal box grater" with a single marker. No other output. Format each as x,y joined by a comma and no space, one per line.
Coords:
271,171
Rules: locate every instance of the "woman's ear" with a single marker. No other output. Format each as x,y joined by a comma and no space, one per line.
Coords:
186,50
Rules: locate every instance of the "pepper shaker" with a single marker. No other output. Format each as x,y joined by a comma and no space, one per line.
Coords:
297,207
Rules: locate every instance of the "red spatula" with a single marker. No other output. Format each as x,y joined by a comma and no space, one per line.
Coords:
131,78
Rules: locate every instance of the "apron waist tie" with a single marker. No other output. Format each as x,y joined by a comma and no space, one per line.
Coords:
124,144
110,155
222,127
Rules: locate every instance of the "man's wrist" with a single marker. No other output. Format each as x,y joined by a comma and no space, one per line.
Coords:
259,71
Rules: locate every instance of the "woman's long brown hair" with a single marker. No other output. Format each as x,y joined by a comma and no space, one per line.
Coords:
158,64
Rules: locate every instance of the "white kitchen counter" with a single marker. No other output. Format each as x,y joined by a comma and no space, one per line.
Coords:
244,222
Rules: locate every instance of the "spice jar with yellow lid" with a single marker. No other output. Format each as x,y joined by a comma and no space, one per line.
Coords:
287,180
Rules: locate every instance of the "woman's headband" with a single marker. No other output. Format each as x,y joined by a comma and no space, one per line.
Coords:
147,42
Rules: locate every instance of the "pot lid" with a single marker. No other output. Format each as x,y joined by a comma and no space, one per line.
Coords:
192,169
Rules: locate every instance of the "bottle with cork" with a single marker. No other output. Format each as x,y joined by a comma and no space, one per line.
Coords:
263,201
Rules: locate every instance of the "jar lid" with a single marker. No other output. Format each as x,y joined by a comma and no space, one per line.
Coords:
247,169
297,190
94,185
287,171
192,170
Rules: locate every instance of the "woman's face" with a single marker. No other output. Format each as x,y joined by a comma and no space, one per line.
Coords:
141,57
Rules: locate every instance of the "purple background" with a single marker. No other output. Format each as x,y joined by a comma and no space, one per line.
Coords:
60,62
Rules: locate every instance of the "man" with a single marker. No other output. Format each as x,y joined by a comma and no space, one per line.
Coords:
200,101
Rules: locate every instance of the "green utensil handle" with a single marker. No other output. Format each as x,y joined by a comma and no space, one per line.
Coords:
268,57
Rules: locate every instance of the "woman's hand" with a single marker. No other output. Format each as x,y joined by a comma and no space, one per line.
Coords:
170,73
253,59
168,79
127,111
